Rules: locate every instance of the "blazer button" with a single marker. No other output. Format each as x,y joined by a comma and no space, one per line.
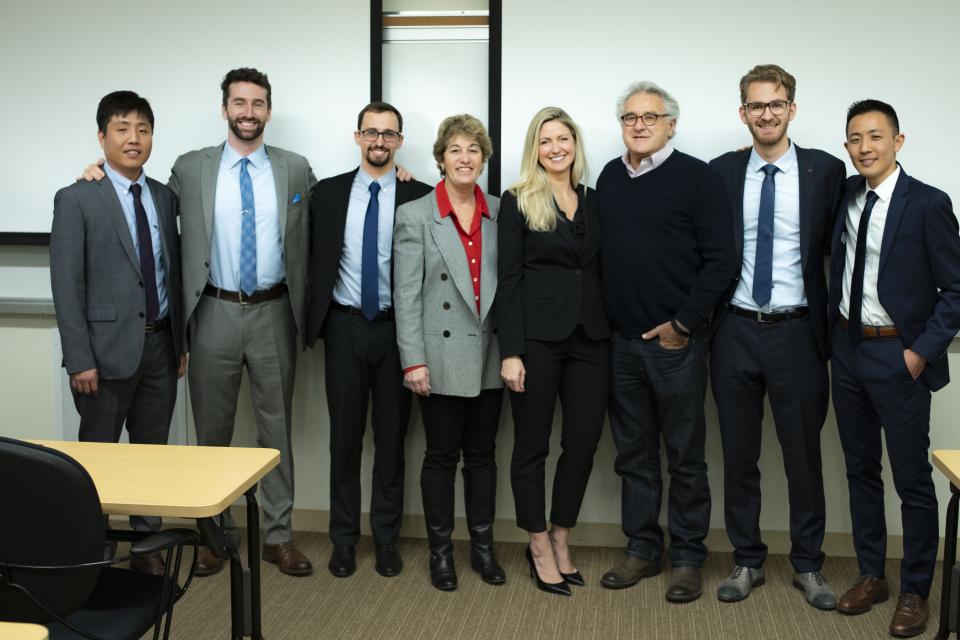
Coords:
141,284
443,276
446,305
142,314
206,264
494,331
446,334
196,293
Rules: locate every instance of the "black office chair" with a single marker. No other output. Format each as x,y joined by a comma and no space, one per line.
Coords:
52,542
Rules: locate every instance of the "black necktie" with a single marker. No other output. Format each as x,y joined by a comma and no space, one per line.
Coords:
856,282
145,246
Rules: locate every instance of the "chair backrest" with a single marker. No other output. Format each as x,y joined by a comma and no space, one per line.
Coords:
49,515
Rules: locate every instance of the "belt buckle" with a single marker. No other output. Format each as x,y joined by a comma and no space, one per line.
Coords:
760,319
242,298
149,327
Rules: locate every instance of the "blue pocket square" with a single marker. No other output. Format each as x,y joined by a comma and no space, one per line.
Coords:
296,199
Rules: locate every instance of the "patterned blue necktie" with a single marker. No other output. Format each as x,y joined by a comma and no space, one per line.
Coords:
369,271
763,262
248,232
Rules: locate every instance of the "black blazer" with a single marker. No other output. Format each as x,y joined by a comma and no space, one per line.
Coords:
919,279
329,201
547,285
821,188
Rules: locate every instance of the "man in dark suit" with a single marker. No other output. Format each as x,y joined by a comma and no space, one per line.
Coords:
894,309
351,308
115,275
771,331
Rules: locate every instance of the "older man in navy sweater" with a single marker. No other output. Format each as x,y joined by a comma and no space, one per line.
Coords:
668,257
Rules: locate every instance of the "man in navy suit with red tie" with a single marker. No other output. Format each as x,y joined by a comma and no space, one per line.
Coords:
894,308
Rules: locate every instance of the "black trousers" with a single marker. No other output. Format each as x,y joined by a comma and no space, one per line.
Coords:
578,370
750,360
362,362
144,402
872,390
454,425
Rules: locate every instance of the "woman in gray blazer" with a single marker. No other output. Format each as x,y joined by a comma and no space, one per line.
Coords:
445,280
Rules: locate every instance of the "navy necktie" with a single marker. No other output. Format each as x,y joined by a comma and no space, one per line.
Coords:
859,261
369,270
763,262
148,269
248,232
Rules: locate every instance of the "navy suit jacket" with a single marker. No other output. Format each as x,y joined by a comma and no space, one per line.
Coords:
821,189
919,279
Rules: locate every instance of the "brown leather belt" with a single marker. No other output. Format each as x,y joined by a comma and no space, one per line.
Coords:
870,333
764,317
262,295
383,314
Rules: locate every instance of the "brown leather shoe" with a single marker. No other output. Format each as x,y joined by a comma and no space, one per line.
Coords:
910,618
152,565
686,584
207,563
288,559
629,572
865,592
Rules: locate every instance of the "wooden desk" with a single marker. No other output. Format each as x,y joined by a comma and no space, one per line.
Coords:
949,463
186,482
22,631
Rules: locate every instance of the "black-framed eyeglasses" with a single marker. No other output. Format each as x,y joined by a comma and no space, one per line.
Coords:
389,135
756,109
649,118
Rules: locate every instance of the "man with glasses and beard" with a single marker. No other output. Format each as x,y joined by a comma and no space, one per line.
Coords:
770,335
351,307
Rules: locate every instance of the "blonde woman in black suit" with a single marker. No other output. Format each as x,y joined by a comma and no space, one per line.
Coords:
554,336
445,276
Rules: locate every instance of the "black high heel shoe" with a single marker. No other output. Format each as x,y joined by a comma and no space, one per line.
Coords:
559,588
574,578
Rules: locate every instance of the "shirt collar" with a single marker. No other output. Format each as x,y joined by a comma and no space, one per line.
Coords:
786,163
121,181
387,180
231,157
446,208
885,189
649,163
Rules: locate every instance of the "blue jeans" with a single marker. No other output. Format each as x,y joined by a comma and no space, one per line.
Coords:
658,392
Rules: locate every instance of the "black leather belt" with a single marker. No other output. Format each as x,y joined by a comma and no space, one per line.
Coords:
769,318
157,325
240,297
383,314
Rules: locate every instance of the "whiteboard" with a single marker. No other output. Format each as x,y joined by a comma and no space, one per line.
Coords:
61,57
581,56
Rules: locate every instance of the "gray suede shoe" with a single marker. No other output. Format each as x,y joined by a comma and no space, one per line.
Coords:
738,585
816,589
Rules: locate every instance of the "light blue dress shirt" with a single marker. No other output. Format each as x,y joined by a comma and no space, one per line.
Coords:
347,290
788,291
225,248
122,187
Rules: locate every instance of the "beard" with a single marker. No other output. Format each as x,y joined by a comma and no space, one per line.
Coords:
379,161
764,137
255,133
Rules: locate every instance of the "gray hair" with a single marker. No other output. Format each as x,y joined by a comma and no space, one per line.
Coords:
670,105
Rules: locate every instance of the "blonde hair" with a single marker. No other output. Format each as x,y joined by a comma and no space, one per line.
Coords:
467,126
534,196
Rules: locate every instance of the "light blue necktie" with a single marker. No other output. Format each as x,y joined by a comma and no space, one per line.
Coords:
248,232
763,263
369,270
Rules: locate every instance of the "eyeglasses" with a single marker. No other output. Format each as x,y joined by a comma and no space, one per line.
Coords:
649,118
389,135
756,109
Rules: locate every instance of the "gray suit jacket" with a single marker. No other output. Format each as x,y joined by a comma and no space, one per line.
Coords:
436,314
194,181
95,277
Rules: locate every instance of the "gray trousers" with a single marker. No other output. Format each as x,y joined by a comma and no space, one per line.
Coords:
144,401
226,337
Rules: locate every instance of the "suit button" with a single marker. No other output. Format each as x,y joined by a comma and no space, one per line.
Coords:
494,332
142,314
446,305
206,264
446,334
443,276
579,272
140,283
196,293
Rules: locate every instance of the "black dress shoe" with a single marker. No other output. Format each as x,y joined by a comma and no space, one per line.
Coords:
574,578
559,588
389,562
443,574
343,561
484,562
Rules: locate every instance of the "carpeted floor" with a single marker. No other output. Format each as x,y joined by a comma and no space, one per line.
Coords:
366,605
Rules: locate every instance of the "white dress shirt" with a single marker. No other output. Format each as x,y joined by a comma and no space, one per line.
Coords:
225,248
873,314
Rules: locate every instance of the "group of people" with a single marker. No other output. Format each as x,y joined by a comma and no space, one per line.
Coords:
618,298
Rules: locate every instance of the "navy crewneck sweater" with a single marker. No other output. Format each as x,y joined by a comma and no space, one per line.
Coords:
667,247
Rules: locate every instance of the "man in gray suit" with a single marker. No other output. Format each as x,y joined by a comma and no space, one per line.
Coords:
244,222
115,275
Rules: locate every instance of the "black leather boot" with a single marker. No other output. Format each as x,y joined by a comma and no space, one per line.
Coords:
480,491
438,513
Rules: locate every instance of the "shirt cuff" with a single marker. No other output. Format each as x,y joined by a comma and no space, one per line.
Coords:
414,368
